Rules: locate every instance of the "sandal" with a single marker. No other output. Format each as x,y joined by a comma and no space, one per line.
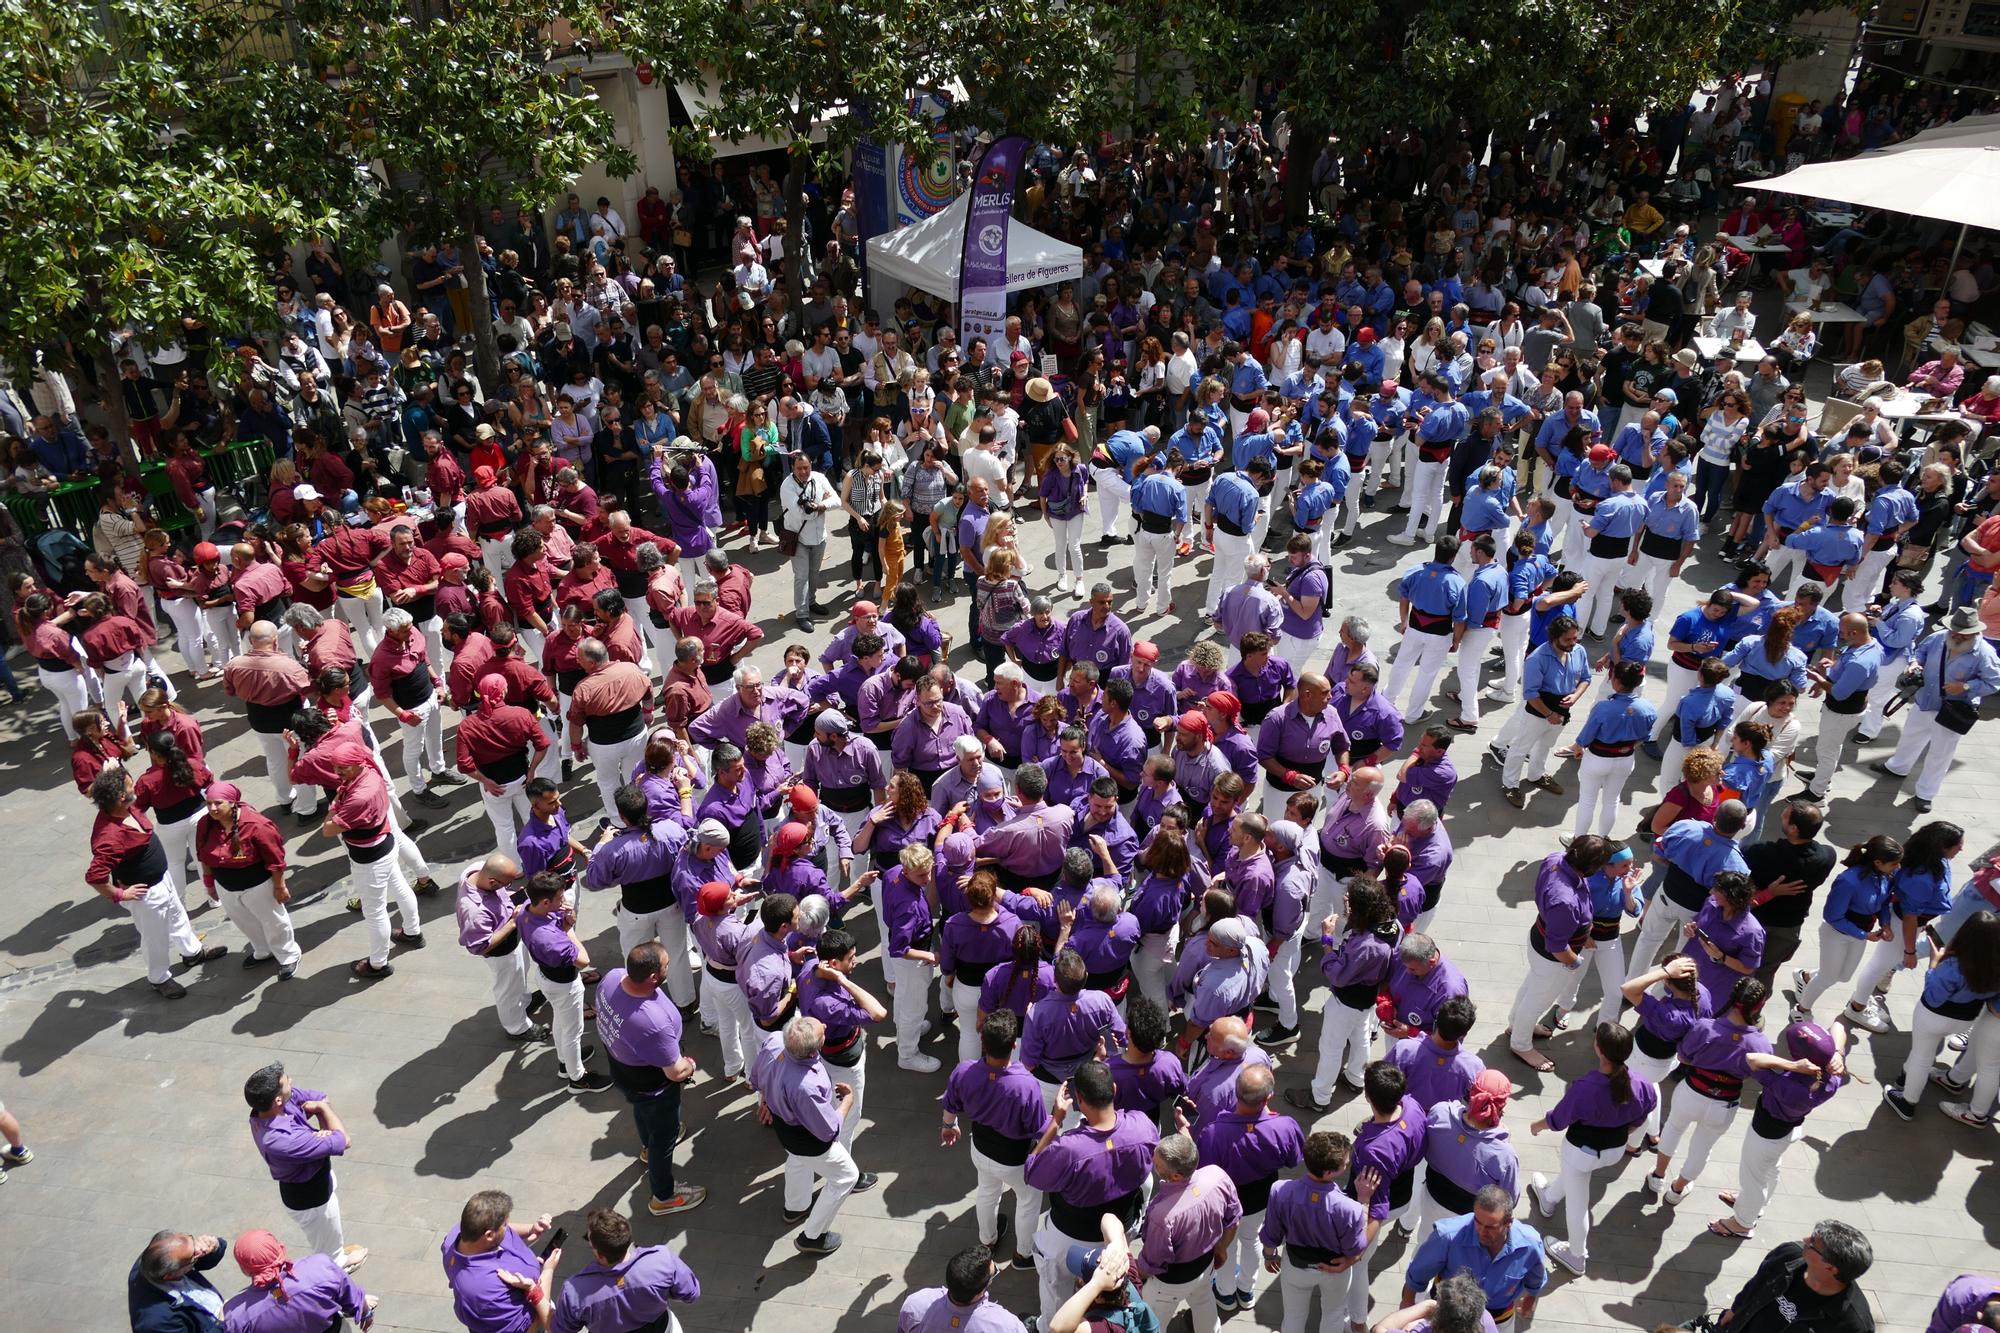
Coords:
1726,1228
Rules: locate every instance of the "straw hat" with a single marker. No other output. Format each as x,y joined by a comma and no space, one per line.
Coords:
1040,389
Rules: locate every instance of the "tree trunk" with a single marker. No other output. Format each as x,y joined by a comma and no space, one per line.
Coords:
113,403
486,350
797,247
1302,154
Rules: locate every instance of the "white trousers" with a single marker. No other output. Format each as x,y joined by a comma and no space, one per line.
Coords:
497,553
1245,1260
222,632
1878,700
423,744
855,1076
1928,1029
565,1020
324,1233
1423,656
164,930
1152,964
1608,961
1471,658
836,1167
1546,982
70,694
1153,570
995,1180
965,1004
1299,1286
303,797
1601,572
1572,1189
1600,783
364,616
1834,730
1979,1063
1680,680
1282,982
910,1001
1343,1047
509,975
124,675
1513,656
1661,924
613,765
1757,1173
1884,959
1164,1299
1113,491
1425,496
178,840
669,927
1866,578
1384,457
266,925
734,1028
1783,562
1226,569
1652,1069
660,643
1706,1117
1653,574
506,812
1839,954
1924,739
1302,654
1068,538
191,633
1528,756
376,883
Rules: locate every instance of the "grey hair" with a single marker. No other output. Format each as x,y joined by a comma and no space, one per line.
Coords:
1357,628
1105,903
746,675
1256,568
648,558
803,1038
1461,1304
1010,672
1235,1043
1424,814
1255,1085
705,588
688,650
163,1260
540,512
717,560
1844,1248
811,916
1416,947
1103,588
593,650
1178,1154
396,618
1730,817
1493,1198
1038,605
965,747
302,618
1152,434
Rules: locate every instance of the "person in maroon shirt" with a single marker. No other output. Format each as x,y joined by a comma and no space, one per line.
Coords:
471,654
188,475
262,591
360,818
410,576
242,856
57,663
112,643
500,746
271,685
530,591
173,583
129,867
350,552
443,475
158,712
492,514
214,592
442,542
726,637
304,571
619,545
326,470
130,600
686,695
732,583
616,629
98,745
452,595
560,665
576,503
169,791
401,675
586,578
326,642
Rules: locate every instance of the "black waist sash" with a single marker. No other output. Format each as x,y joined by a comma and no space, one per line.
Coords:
1659,546
271,719
998,1147
303,1195
612,728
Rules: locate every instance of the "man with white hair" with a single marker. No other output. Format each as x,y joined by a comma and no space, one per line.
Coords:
808,1110
1112,471
402,677
752,701
1194,1215
608,714
1355,825
1249,606
961,781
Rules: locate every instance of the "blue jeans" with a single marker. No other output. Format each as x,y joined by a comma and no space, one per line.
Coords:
1711,481
659,1120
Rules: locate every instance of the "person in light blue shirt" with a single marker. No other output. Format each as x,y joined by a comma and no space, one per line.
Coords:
1608,534
1486,509
1962,981
1843,683
1767,658
1504,1255
1552,683
1818,628
1160,503
1610,740
1432,598
1855,905
1528,573
1238,504
1790,507
1667,535
1747,770
1753,582
1247,383
1200,447
1392,407
1674,460
1313,501
1365,351
1699,713
1897,626
1443,422
1891,513
1831,548
1111,469
1638,444
1960,670
1477,624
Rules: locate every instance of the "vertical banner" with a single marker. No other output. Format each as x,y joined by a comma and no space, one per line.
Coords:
871,191
982,270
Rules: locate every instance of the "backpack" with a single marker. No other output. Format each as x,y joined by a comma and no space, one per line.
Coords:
1002,609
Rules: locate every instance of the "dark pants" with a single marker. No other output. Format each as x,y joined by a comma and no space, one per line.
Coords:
1711,484
866,555
971,607
660,1130
1780,944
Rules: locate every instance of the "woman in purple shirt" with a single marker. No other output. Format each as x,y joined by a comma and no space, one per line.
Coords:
923,639
1260,681
905,817
1158,899
1597,1112
1725,939
1668,1000
1200,675
1717,1052
971,944
1041,739
1355,967
1023,981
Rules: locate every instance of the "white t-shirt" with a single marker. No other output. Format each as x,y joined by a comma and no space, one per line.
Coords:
1328,345
1181,371
978,463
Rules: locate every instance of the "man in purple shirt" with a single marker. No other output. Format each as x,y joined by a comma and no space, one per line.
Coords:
923,741
1294,881
732,802
1116,740
766,973
1005,713
1098,1167
1301,590
730,718
623,1287
828,992
484,1245
1420,980
1374,723
1197,760
1557,940
1428,774
1436,1066
1421,833
1098,816
1105,936
485,916
641,1030
558,960
1005,1115
807,1109
1028,848
1387,1148
1220,973
841,686
1302,745
863,618
1313,1231
846,771
888,696
962,1304
1067,1026
1153,705
1466,1149
1254,1145
1355,825
1096,635
298,1135
1212,1088
972,520
1191,1224
1070,770
638,856
1247,607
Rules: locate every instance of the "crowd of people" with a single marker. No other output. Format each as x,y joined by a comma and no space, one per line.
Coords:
1103,887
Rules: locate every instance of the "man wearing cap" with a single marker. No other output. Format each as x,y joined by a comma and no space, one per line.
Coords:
808,1110
272,685
847,771
1218,976
1302,745
298,1135
485,913
1236,507
1160,503
1100,1166
1960,671
641,1029
863,618
1191,1225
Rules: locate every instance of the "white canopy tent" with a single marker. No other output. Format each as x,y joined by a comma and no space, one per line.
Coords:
1951,173
925,256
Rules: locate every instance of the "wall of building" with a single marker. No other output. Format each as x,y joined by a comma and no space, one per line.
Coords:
1821,75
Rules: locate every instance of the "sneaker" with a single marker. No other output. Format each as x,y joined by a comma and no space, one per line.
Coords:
1881,766
424,887
170,989
818,1246
251,960
534,1032
689,1196
1536,1185
429,799
1921,806
1892,1095
1955,1042
592,1081
351,1257
1303,1099
794,1218
535,1003
1798,1015
1515,797
1965,1115
1225,1301
867,1180
208,955
409,941
1497,754
1278,1034
1024,1263
1871,1018
1656,1184
1560,1251
20,1156
1943,1079
288,971
1548,784
919,1064
1802,977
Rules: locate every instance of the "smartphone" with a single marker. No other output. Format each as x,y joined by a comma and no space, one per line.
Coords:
553,1241
603,826
1702,935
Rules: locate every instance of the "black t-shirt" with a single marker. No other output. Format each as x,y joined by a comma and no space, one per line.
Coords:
1798,1308
1646,378
1618,364
1810,863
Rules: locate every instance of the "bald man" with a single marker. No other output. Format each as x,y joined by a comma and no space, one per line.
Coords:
271,685
486,928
